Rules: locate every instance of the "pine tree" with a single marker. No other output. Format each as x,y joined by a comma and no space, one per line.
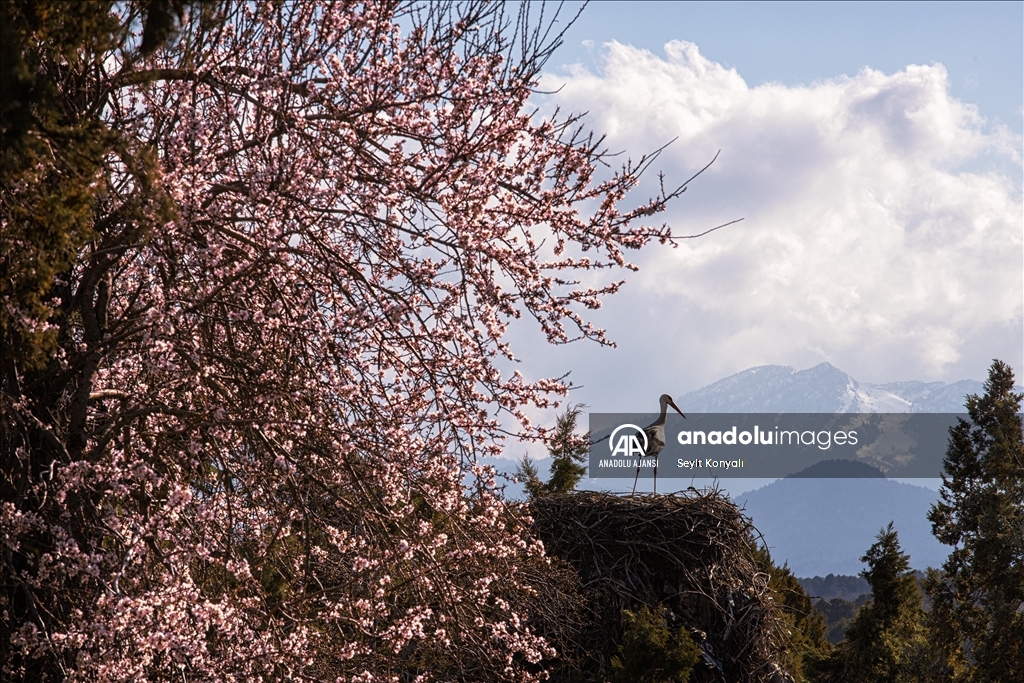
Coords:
568,451
527,473
977,613
885,642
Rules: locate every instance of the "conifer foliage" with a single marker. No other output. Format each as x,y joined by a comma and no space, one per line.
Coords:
977,612
651,651
274,323
885,642
568,453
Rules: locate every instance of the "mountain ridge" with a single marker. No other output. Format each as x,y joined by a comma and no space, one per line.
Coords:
824,388
824,525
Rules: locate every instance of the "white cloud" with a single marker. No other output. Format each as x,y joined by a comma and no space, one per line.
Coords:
865,242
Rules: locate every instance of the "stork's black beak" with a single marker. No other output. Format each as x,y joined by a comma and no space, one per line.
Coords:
672,403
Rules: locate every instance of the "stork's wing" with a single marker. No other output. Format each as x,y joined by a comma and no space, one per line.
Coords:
655,439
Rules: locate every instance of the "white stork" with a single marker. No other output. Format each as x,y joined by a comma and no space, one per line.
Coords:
656,438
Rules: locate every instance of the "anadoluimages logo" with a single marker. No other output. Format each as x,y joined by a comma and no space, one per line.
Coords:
628,444
751,445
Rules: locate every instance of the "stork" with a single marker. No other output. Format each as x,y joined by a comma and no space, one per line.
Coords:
656,437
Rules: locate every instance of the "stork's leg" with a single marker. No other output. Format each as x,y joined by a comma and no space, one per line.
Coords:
655,474
636,479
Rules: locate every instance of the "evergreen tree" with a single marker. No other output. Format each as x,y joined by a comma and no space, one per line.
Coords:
977,612
651,652
527,473
886,639
51,147
569,453
54,143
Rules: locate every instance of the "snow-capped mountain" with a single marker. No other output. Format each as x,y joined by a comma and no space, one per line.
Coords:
824,389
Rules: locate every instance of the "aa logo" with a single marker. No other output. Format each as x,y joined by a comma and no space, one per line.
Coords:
631,443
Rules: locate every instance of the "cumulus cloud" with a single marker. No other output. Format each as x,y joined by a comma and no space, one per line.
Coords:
882,231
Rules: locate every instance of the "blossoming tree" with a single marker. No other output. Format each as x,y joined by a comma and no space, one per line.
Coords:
249,450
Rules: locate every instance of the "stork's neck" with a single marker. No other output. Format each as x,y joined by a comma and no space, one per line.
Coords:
664,414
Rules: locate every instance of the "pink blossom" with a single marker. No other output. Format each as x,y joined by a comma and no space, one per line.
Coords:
256,455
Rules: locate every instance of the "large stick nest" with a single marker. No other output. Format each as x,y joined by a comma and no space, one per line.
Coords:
691,553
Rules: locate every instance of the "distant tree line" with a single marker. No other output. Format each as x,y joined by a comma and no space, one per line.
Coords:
835,586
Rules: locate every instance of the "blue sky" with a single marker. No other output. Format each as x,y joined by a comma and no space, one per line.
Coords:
874,152
981,44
